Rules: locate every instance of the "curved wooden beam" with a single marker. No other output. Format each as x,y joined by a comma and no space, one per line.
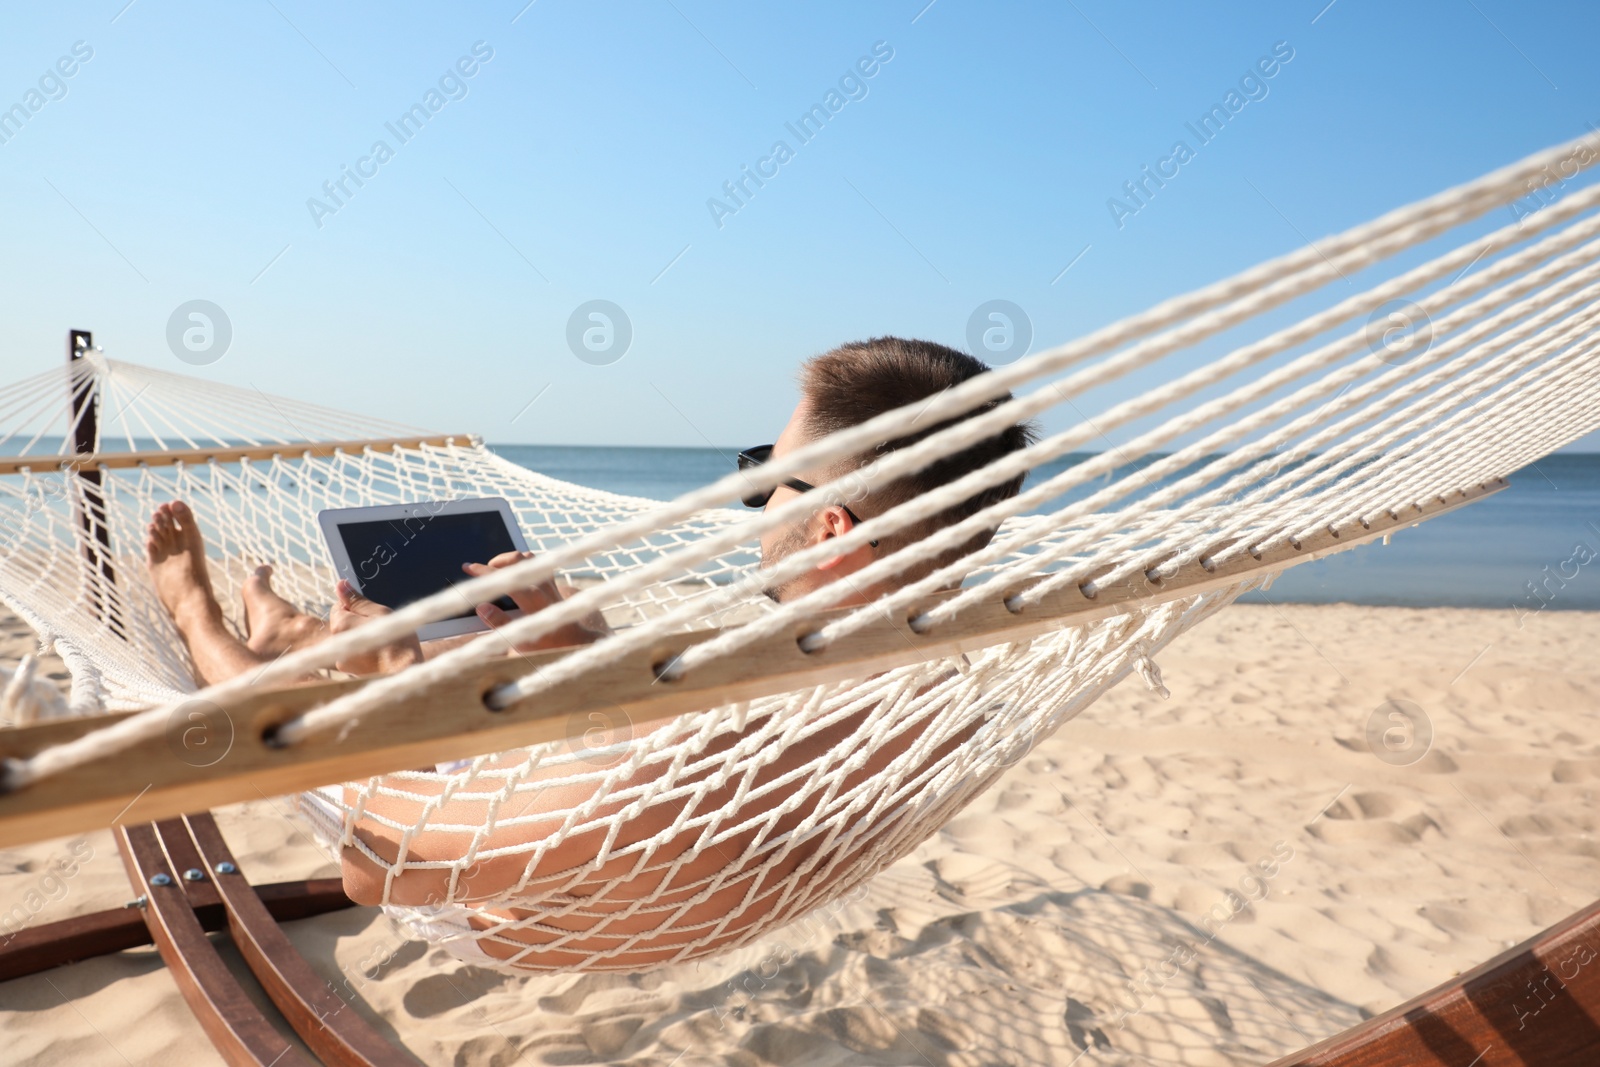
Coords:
324,1021
1535,1005
236,1027
185,869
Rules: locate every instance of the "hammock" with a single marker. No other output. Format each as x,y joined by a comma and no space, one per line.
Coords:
725,764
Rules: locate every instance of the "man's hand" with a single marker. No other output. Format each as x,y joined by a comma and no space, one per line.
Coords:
351,610
583,632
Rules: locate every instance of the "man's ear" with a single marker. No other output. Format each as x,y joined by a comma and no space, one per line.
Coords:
833,522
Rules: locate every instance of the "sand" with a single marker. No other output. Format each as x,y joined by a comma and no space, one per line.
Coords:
1102,897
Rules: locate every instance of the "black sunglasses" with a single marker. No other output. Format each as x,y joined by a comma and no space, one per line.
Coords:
755,457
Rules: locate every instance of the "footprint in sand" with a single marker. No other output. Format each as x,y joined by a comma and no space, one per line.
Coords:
1567,771
1372,817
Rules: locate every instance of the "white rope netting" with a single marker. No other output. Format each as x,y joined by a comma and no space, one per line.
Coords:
252,512
626,846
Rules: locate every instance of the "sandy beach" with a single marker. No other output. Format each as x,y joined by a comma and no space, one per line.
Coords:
1217,878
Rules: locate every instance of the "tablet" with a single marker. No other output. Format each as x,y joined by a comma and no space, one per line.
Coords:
395,554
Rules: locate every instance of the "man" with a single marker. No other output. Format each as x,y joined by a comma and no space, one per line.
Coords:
839,389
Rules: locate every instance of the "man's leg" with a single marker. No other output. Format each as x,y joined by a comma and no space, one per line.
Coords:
176,556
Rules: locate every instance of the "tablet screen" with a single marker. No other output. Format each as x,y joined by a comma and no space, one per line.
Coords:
397,561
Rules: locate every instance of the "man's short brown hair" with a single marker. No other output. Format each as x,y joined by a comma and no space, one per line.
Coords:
863,379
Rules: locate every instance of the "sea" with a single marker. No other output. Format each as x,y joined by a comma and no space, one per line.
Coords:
1532,547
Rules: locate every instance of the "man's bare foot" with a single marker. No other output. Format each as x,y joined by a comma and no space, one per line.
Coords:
176,555
274,625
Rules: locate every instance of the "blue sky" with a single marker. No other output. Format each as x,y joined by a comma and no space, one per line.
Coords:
576,163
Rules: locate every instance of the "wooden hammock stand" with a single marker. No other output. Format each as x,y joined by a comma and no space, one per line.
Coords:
1536,1005
190,885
